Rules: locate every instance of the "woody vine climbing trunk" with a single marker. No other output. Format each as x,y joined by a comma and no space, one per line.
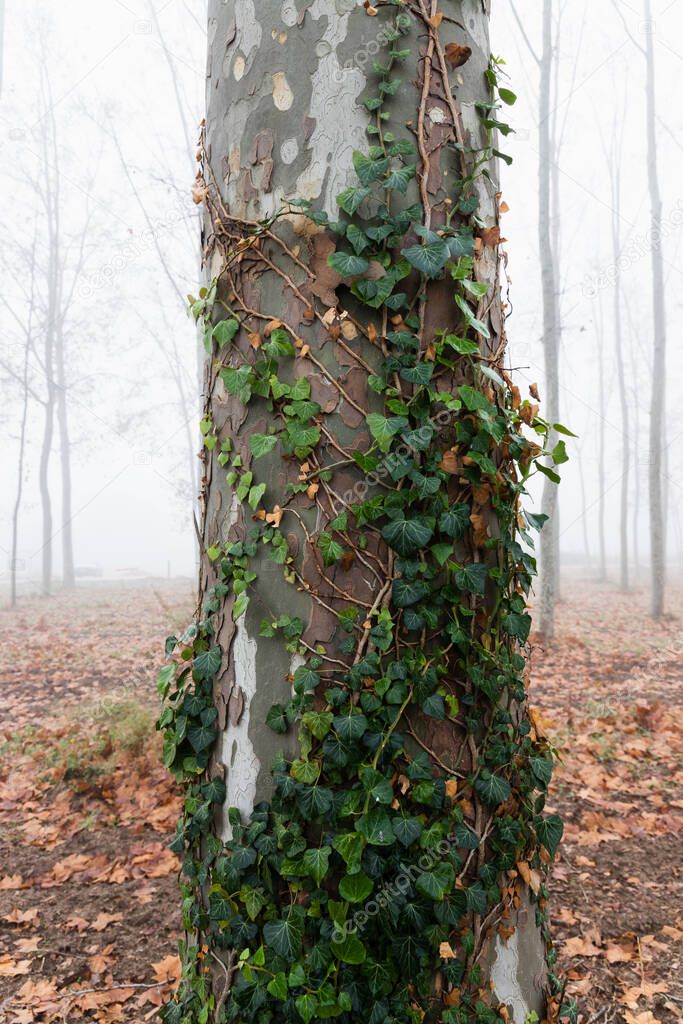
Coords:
364,834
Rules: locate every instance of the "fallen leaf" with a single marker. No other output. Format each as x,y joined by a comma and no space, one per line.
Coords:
168,969
103,921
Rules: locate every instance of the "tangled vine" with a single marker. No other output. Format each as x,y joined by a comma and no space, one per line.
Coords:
369,886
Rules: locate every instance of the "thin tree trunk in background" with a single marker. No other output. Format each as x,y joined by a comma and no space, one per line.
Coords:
601,445
619,352
658,396
44,469
584,511
20,473
549,543
68,570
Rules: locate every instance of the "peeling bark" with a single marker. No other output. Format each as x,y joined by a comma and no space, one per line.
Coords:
284,115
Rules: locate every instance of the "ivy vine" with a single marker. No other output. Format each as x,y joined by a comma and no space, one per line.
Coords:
368,887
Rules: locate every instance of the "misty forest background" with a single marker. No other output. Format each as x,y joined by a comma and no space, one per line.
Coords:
98,359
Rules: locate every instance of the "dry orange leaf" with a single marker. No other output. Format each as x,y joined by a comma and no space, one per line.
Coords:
103,921
457,55
168,969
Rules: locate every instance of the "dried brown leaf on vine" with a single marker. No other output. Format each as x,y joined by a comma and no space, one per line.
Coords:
481,529
275,516
349,330
272,325
457,55
347,560
533,391
435,20
491,236
528,413
255,340
451,787
450,463
446,951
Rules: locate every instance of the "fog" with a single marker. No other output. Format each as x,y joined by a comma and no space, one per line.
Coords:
103,101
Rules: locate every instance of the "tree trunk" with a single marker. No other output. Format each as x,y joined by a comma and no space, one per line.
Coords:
20,471
602,547
550,541
658,396
619,356
360,586
68,572
44,470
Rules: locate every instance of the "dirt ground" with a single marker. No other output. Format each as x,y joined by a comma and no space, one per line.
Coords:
88,888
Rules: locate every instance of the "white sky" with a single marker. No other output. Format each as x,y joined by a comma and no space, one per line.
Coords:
110,76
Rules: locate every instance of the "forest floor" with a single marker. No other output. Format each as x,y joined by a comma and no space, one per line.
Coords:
88,888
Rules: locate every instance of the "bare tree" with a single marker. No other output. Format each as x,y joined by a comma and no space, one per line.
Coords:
548,241
658,396
600,343
26,323
620,360
656,453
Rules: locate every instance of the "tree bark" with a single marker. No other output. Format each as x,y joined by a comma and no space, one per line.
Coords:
20,468
550,540
68,570
285,115
658,396
619,356
602,547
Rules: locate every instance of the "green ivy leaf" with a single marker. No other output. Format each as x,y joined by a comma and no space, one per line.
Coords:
317,863
383,429
276,719
367,169
559,453
542,767
375,826
278,986
407,830
351,199
436,882
330,549
207,663
407,536
405,593
318,723
350,845
261,444
306,1007
355,888
493,789
472,578
429,259
517,625
347,264
455,522
350,950
549,831
285,935
225,331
